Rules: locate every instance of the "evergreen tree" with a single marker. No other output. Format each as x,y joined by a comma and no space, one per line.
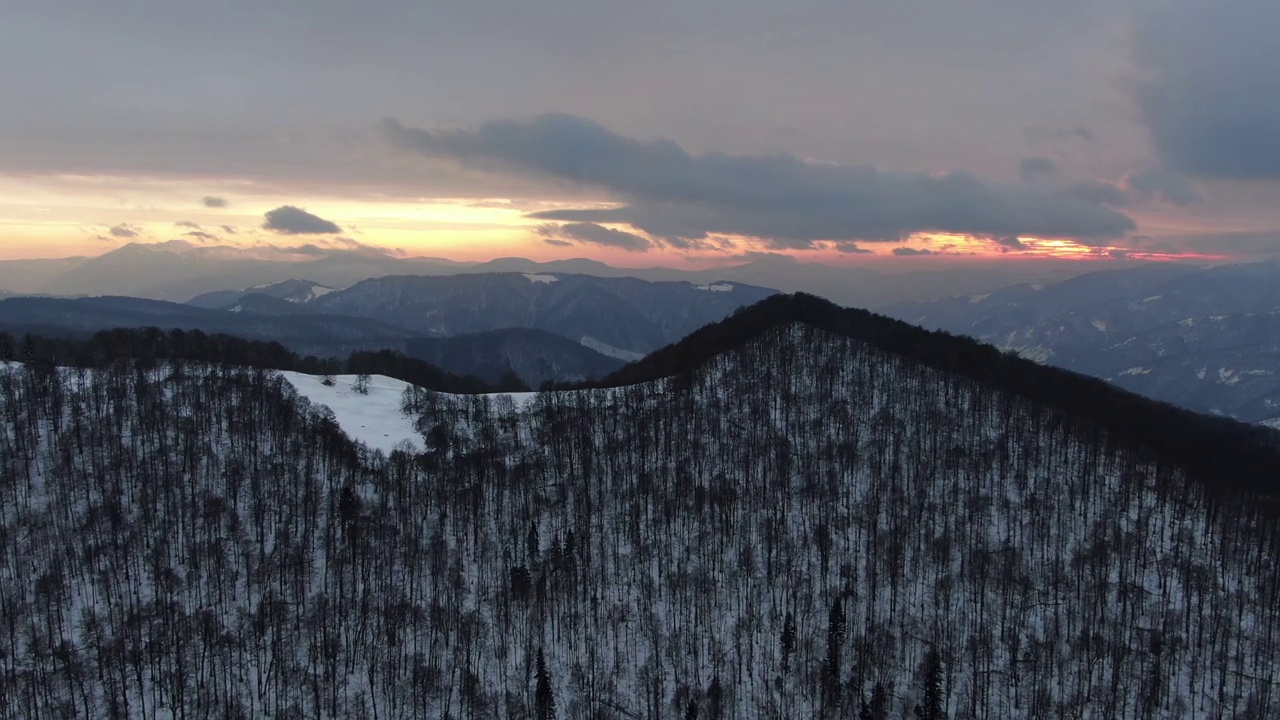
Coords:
879,705
788,641
933,706
533,542
544,700
715,700
835,638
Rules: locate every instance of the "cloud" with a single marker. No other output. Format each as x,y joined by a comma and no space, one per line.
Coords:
124,231
906,251
1210,94
228,229
1098,192
788,202
557,242
307,249
1041,134
1245,245
187,224
202,236
1035,168
357,246
1012,242
851,248
1167,186
593,234
290,220
212,201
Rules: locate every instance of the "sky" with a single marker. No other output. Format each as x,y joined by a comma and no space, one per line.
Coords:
646,133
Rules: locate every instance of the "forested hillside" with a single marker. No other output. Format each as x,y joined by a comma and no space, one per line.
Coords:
807,524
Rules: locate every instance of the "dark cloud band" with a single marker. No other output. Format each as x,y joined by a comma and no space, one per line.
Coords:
789,202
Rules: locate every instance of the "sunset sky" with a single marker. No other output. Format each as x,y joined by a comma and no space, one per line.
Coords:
646,133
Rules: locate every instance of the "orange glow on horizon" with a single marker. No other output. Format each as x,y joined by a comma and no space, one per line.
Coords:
62,216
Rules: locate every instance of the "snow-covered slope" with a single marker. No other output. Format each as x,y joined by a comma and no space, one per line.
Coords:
771,535
373,417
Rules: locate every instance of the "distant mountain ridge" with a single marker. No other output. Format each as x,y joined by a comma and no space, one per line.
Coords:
621,317
179,271
535,357
1204,338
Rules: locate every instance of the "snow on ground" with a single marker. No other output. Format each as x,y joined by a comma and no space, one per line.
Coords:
317,291
541,278
718,287
978,298
1100,325
374,419
1137,371
609,350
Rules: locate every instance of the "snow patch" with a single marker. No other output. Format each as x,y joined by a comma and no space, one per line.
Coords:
1152,298
1202,372
716,287
1100,325
374,419
316,291
973,299
1228,376
546,279
609,350
1136,371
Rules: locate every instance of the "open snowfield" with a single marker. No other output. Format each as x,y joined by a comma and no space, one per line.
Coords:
374,419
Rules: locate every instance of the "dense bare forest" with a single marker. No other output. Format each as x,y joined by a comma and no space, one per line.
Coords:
804,526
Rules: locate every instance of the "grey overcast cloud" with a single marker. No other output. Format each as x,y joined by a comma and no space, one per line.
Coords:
664,129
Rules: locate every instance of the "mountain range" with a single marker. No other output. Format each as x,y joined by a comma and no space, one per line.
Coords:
1207,338
178,271
799,511
541,327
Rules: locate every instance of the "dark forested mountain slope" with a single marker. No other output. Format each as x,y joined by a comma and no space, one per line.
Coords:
312,334
1231,455
623,316
535,356
148,346
821,509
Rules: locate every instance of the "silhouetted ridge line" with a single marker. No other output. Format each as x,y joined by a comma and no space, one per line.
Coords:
146,346
1226,455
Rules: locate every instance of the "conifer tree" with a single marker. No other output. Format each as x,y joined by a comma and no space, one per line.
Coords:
544,700
788,641
835,638
932,708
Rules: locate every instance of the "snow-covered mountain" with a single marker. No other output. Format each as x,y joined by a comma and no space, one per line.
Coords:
817,504
293,291
609,314
1204,338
